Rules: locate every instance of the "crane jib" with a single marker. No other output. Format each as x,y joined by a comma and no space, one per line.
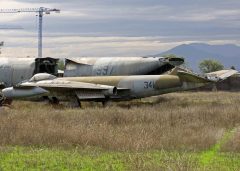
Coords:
41,11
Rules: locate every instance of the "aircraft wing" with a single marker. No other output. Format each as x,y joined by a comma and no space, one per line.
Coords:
54,84
61,88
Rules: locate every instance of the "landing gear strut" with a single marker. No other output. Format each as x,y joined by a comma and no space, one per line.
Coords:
79,102
75,103
105,103
4,100
53,100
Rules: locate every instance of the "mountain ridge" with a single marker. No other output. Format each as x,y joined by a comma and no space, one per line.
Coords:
194,53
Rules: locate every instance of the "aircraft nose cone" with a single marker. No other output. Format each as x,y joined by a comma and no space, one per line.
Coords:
7,92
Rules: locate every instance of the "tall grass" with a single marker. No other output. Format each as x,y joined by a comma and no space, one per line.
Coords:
178,121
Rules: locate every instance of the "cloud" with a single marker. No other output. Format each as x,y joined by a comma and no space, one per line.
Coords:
62,45
119,28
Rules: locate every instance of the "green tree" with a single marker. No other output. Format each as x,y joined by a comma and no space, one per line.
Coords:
61,65
210,65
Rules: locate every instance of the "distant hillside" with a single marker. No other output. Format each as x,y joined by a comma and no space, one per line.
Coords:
228,55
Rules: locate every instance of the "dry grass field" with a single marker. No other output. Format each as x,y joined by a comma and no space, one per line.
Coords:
193,122
188,121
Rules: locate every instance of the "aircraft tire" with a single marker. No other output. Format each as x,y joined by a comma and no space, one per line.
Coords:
2,99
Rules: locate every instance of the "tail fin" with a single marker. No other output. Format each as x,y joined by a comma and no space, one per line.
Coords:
176,69
192,81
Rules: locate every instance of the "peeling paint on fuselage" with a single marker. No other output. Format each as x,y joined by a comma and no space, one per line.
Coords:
139,86
110,66
16,70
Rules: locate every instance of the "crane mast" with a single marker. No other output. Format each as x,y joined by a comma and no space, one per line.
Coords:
40,16
41,11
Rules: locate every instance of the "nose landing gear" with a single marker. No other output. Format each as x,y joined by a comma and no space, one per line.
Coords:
4,101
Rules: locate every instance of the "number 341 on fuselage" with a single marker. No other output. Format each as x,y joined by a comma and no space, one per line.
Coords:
111,88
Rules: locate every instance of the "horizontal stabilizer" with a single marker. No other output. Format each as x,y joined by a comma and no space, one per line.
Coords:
191,77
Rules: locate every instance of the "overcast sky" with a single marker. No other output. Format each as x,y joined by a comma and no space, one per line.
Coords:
119,27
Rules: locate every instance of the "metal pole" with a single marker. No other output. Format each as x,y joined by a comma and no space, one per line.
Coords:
40,33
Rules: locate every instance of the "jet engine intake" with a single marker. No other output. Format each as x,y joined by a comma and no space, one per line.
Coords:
176,61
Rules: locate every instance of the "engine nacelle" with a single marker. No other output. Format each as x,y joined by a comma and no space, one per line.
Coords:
110,91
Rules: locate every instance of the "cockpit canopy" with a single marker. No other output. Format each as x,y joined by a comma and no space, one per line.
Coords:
46,65
41,77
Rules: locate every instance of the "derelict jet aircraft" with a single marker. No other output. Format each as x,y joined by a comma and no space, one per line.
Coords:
111,66
110,88
16,70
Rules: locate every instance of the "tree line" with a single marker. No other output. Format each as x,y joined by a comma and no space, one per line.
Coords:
205,66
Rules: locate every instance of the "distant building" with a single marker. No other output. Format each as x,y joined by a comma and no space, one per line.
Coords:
230,84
